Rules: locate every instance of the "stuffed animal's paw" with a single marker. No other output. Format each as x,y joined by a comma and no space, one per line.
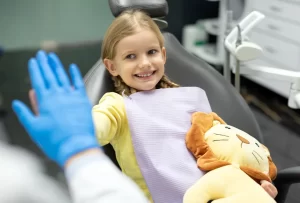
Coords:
269,188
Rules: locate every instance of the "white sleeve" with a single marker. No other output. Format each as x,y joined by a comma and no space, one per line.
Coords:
93,178
22,179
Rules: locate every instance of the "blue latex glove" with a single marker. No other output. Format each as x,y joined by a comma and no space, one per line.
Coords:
64,126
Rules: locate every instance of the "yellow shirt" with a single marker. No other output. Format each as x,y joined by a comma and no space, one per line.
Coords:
112,127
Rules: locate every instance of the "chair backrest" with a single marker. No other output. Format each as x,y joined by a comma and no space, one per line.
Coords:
154,8
188,70
98,82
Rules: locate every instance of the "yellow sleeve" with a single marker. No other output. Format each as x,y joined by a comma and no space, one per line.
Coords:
109,117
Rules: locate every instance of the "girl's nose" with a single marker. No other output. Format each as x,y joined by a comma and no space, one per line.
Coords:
144,62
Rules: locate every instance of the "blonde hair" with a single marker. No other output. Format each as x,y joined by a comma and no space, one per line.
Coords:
124,25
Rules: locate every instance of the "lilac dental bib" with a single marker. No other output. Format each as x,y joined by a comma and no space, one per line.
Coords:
159,121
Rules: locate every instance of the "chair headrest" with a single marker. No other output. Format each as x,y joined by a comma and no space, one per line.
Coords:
154,8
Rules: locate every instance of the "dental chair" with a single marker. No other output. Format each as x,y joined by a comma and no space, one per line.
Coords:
188,70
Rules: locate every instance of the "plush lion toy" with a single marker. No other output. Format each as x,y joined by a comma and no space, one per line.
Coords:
235,163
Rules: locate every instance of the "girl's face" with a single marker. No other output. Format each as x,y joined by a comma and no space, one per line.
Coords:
139,60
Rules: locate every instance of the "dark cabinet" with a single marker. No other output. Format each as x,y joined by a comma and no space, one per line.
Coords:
182,12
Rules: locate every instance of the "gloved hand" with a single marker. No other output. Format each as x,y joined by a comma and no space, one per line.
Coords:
64,126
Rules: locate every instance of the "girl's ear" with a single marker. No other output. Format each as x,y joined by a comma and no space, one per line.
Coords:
164,54
109,64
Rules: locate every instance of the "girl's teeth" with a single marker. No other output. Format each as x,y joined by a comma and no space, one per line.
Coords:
145,75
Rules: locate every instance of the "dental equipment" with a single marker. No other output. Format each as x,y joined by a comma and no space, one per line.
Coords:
243,51
229,19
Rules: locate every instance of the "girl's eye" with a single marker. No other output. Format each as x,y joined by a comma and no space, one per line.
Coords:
153,51
130,56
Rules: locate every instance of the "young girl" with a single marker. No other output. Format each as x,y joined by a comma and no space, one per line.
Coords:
147,116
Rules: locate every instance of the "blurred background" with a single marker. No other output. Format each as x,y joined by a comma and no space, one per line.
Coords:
74,29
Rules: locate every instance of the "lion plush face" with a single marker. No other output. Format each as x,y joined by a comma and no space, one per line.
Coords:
215,144
237,147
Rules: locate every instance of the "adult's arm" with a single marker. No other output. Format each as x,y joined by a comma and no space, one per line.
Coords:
93,178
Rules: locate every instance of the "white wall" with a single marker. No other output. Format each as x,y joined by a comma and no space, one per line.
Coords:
26,23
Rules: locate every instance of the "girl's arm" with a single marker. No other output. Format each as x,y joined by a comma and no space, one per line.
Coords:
109,117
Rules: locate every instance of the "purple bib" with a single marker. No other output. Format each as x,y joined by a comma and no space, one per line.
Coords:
159,121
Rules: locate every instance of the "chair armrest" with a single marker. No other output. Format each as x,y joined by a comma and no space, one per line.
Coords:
285,178
288,176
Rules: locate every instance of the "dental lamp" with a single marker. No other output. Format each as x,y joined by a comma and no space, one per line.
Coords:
238,45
